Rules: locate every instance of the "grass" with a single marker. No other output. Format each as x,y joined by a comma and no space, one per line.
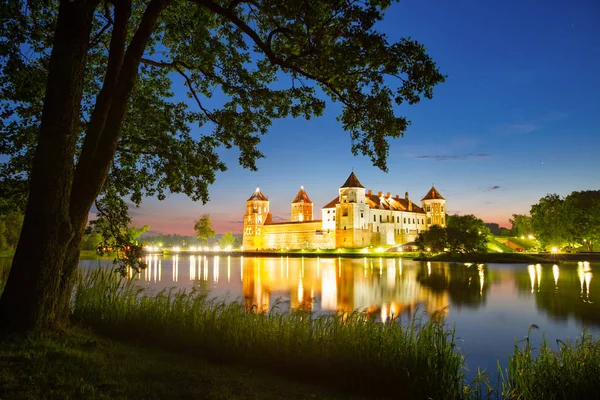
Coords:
82,365
494,245
178,345
350,352
570,372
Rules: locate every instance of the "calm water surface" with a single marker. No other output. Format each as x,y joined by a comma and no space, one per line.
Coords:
491,305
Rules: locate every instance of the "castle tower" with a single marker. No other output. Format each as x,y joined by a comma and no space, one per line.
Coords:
351,228
435,207
257,212
302,207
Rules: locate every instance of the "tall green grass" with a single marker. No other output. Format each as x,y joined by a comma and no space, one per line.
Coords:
570,372
350,351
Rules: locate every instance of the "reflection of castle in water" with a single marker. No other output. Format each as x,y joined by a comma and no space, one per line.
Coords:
381,286
384,287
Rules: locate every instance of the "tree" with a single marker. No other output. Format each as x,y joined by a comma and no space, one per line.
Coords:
463,234
467,234
227,240
548,221
583,216
521,225
203,229
87,94
434,239
494,228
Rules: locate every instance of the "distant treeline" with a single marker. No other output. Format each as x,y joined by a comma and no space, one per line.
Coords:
170,240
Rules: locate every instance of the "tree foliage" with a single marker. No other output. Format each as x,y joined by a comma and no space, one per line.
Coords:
226,240
203,229
434,239
463,234
567,221
521,225
10,229
117,236
548,221
88,97
467,234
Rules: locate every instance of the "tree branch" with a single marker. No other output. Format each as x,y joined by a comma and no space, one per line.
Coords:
266,49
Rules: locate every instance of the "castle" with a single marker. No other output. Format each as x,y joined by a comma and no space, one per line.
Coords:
355,218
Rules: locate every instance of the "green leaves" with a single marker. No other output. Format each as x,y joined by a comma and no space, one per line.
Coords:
464,234
574,219
242,64
203,228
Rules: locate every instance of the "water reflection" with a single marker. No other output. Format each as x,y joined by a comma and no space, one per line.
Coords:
563,291
383,287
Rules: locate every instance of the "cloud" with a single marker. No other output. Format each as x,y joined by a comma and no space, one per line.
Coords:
489,189
468,156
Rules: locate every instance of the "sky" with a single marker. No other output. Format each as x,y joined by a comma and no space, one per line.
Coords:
517,118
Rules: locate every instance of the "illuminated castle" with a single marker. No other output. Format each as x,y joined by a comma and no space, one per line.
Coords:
355,218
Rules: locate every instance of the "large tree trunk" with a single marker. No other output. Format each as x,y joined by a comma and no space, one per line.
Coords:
29,298
39,286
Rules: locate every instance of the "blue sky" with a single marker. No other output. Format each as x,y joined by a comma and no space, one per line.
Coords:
517,118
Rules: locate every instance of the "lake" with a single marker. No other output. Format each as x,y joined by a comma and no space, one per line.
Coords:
490,305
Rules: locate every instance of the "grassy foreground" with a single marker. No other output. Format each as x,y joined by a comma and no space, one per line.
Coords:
349,352
82,365
178,345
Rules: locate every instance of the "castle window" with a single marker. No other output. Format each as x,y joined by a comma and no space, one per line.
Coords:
362,215
428,208
344,228
334,217
381,218
388,218
406,230
258,231
328,211
345,212
413,220
404,219
398,219
442,208
377,229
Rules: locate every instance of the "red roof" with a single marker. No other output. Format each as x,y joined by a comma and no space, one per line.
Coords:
392,203
352,182
433,194
383,203
257,195
301,197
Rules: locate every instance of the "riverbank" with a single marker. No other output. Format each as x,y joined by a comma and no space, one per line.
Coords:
525,258
132,344
80,364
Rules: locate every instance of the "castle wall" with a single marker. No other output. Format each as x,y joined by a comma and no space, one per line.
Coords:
297,236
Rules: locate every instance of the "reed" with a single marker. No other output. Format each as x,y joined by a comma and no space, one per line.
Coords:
571,371
349,351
